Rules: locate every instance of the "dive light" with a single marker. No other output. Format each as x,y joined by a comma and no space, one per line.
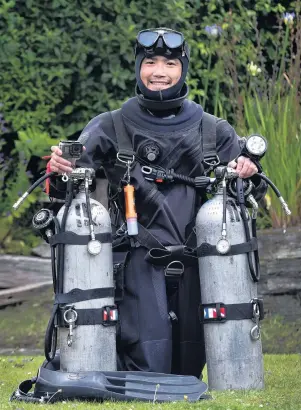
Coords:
256,145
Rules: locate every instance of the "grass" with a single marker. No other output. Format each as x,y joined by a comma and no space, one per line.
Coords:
282,389
23,326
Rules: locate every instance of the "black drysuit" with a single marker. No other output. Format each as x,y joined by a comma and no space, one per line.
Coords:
146,333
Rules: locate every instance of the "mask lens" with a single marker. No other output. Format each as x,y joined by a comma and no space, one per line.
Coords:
173,40
147,38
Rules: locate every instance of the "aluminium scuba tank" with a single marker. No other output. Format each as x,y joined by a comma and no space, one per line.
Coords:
234,355
89,347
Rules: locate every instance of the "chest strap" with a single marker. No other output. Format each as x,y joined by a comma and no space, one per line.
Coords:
208,135
125,147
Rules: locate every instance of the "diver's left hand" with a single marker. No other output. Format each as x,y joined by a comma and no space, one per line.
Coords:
244,167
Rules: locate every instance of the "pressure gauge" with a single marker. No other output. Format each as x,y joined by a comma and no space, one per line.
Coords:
256,145
94,247
223,246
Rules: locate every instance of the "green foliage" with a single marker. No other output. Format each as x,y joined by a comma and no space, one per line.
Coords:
280,122
14,180
63,62
272,107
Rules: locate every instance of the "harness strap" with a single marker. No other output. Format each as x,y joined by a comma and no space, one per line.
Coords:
125,147
79,295
146,239
205,249
163,257
71,238
209,137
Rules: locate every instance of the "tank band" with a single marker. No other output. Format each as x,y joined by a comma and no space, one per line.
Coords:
106,316
206,249
79,295
71,238
220,312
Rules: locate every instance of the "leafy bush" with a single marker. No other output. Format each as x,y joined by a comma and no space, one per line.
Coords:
14,180
253,78
63,62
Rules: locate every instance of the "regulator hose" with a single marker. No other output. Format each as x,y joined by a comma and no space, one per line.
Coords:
277,192
30,189
241,201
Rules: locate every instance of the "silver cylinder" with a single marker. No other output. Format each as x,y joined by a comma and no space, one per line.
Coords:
234,359
93,346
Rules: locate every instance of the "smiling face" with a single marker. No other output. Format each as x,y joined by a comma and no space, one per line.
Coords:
158,72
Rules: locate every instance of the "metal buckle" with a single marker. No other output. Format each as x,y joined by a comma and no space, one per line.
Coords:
122,230
125,158
212,161
175,272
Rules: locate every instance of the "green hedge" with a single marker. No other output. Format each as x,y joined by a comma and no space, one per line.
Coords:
64,61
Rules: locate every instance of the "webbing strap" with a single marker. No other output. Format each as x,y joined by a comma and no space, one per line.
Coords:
163,257
79,295
209,136
206,249
106,316
71,238
125,148
220,312
146,239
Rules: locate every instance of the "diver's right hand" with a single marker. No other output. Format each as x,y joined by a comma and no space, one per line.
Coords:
57,163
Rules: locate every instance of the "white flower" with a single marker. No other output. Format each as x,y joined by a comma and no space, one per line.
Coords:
253,69
288,18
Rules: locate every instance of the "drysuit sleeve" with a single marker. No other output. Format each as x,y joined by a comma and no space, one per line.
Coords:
99,139
229,147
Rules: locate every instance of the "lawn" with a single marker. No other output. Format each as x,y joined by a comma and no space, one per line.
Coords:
282,389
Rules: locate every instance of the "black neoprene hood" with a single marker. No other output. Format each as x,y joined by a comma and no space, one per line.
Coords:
171,97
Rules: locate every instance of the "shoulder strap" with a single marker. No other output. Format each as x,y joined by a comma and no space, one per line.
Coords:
209,137
125,149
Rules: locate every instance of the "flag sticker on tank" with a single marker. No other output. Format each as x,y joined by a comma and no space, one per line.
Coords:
211,313
114,314
110,315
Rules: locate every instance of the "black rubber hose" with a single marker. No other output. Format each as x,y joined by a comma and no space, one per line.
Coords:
224,202
39,181
53,266
50,341
56,254
61,247
272,185
87,193
243,208
256,253
183,178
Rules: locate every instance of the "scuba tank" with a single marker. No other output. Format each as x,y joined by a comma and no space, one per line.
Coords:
229,271
82,268
90,266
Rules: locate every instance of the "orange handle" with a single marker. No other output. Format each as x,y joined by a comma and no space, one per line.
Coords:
130,209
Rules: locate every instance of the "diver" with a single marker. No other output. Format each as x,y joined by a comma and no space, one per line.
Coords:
159,326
